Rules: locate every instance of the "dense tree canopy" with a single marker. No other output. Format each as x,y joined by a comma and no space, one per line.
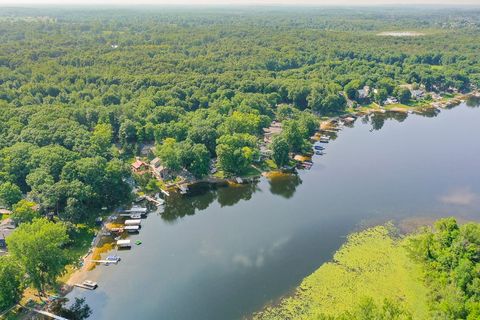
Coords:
86,91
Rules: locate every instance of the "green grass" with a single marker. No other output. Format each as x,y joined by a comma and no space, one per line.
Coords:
81,240
371,264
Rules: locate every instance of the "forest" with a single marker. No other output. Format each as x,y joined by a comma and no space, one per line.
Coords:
82,92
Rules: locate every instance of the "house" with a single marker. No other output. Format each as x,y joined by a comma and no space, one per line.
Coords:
391,100
4,211
6,228
274,129
363,93
417,94
436,96
159,171
139,166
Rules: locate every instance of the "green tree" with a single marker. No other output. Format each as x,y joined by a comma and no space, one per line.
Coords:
102,138
11,287
168,153
24,212
380,96
195,158
351,89
293,135
38,246
280,150
235,153
403,95
9,194
79,310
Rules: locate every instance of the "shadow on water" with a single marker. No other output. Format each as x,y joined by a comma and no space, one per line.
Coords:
473,102
202,195
377,120
284,185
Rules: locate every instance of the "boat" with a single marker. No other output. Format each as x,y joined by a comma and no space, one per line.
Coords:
132,229
138,242
116,230
136,216
319,153
113,258
317,147
134,222
137,209
183,189
124,243
92,285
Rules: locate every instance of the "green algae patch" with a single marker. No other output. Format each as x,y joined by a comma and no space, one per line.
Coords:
371,264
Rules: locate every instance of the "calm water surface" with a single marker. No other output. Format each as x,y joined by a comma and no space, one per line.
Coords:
224,253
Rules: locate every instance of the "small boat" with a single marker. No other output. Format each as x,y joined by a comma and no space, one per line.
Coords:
90,284
134,222
183,189
317,147
136,216
324,140
319,153
113,258
138,242
132,229
116,230
123,244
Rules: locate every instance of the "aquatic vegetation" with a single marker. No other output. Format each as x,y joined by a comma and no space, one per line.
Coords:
373,265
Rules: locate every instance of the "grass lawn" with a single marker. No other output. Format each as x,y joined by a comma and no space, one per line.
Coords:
371,264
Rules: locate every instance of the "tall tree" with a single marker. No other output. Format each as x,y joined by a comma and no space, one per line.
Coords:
11,276
38,246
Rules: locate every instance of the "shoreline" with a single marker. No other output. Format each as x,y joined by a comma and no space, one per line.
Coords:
330,123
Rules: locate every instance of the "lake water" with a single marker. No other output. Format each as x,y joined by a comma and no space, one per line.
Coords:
224,253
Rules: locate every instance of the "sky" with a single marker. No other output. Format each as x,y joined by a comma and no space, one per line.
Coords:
240,2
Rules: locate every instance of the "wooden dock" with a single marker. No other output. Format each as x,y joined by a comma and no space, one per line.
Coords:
103,261
83,286
155,201
45,313
165,192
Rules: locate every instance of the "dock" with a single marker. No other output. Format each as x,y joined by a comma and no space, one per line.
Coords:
165,192
155,201
45,313
103,261
79,285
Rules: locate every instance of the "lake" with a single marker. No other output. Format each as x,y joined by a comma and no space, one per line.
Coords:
223,253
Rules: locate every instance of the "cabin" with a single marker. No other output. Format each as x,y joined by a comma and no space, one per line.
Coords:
6,228
391,100
363,93
417,94
4,211
274,129
139,166
159,171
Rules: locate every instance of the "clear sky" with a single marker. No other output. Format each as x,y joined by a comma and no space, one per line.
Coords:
241,2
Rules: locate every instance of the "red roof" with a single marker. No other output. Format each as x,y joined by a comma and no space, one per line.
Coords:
138,164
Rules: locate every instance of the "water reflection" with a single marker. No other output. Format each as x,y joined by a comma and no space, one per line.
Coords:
284,185
203,194
473,102
377,120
